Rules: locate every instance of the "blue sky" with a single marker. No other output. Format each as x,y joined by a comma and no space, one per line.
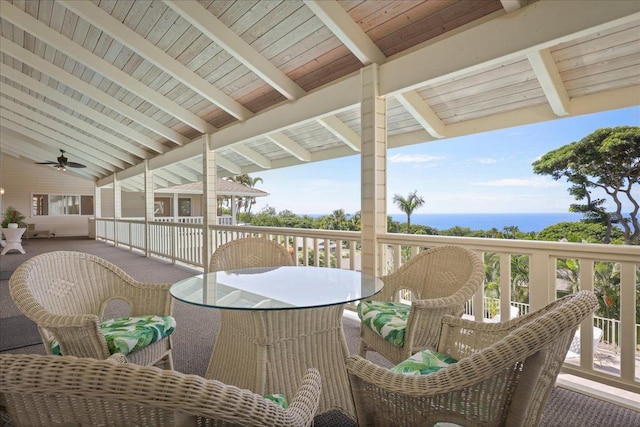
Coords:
489,172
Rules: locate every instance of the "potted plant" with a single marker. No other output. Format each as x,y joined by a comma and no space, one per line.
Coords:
13,218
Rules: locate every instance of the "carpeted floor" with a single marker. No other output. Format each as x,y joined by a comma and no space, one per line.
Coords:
197,328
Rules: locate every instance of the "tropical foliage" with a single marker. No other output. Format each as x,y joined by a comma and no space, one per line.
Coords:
408,205
604,164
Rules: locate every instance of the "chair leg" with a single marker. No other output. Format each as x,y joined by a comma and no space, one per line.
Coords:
362,350
167,362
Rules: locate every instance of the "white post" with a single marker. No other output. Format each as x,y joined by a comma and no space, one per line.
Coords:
117,207
148,207
209,199
373,169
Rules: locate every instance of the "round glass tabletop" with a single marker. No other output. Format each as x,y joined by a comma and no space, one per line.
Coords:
276,288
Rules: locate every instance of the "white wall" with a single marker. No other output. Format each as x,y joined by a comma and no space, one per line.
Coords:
20,179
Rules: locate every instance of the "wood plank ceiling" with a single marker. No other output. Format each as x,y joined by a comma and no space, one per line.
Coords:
276,83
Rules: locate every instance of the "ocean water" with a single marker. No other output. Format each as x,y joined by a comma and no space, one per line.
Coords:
526,222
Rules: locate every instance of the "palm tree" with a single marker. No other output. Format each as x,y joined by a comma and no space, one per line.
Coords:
250,182
408,205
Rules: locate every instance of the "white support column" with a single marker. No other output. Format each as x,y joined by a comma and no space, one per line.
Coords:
97,211
209,199
97,201
234,210
117,207
174,206
373,169
148,206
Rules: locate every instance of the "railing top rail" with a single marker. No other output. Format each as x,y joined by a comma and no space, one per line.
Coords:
304,232
626,253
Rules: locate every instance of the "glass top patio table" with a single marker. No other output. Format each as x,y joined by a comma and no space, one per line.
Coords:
276,288
277,322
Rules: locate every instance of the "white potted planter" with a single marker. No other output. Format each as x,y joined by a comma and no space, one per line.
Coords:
12,225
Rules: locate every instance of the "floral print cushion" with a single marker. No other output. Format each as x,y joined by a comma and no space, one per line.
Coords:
423,363
387,319
279,399
128,334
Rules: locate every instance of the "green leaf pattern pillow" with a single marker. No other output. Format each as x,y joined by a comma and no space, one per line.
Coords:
388,319
423,363
279,399
128,334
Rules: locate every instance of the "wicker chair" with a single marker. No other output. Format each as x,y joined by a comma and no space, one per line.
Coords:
504,374
441,281
66,293
249,252
39,390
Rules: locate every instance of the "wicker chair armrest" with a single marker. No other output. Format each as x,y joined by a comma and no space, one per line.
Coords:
459,337
151,298
450,379
52,321
305,403
79,335
117,358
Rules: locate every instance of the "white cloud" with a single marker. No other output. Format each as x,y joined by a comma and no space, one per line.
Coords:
414,158
534,182
486,160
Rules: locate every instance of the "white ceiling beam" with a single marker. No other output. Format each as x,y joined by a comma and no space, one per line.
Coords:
52,137
54,95
45,67
49,140
550,80
167,176
48,126
184,173
329,100
194,163
252,155
178,154
333,15
26,148
290,146
538,26
342,131
73,121
85,57
422,112
589,104
228,165
126,36
223,36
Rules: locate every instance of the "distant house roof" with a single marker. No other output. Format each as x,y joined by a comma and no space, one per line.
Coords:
224,188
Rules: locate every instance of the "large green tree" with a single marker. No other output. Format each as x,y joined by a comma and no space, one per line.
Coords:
408,205
603,164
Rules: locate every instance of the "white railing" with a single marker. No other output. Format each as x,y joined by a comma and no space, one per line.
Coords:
183,242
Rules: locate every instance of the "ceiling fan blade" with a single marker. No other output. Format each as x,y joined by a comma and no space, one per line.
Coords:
75,165
46,163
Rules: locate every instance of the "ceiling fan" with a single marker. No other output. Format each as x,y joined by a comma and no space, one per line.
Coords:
62,163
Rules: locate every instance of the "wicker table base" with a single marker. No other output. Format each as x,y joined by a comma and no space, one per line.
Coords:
268,351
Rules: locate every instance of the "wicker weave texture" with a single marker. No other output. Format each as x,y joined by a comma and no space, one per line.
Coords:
45,390
441,281
249,252
504,375
267,350
65,293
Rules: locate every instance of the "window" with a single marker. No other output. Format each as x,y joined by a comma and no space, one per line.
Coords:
184,207
59,204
